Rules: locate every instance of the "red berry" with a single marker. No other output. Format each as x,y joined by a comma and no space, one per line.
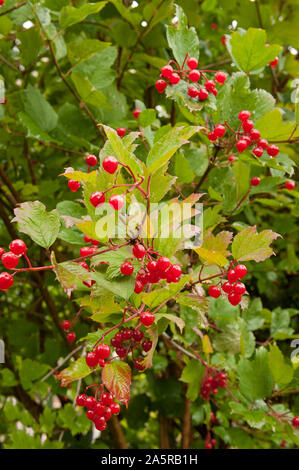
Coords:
254,134
272,150
274,62
208,445
71,336
244,115
174,78
227,287
6,281
90,415
240,270
137,335
210,85
91,160
80,400
263,143
289,185
107,399
202,94
138,287
103,351
212,136
232,275
127,268
192,63
116,202
258,151
9,260
121,351
146,345
91,359
90,403
162,264
241,145
213,442
255,181
138,251
100,423
223,40
136,113
147,318
247,139
121,131
295,422
247,126
107,414
214,291
215,92
2,251
220,77
231,159
194,75
73,185
115,408
160,86
192,92
97,198
166,71
65,325
152,266
175,270
18,247
110,164
234,299
138,364
127,334
118,336
239,288
99,409
102,362
219,130
87,251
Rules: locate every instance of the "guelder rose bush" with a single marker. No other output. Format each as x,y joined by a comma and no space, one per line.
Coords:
138,309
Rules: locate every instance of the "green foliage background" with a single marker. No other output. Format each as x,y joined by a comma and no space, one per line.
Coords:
66,66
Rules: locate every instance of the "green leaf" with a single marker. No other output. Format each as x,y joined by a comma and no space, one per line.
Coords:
87,91
30,371
280,322
272,127
158,296
41,226
192,375
122,287
173,318
81,50
255,378
71,15
68,273
250,245
249,52
181,39
116,376
282,372
38,109
77,370
147,117
214,248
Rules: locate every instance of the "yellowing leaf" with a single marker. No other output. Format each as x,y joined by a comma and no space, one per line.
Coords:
76,371
116,377
206,345
214,248
250,245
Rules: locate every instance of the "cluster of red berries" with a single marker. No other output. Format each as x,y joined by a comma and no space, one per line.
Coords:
71,335
99,411
153,271
110,165
98,355
2,2
233,287
192,75
212,381
127,340
210,443
10,260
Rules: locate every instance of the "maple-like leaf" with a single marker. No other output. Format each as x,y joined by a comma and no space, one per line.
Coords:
249,245
214,248
116,376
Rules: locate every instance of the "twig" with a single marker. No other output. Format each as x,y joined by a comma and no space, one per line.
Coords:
58,365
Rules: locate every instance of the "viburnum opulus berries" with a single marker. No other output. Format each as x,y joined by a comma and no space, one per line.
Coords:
194,75
127,268
138,251
202,94
66,325
110,164
166,71
174,78
255,181
160,86
220,77
295,422
73,185
121,131
91,160
9,260
272,150
97,198
147,318
290,185
214,291
136,113
116,202
71,336
6,281
18,247
192,63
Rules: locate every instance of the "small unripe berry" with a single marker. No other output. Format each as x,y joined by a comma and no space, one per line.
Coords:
255,181
147,318
160,86
18,247
110,164
192,63
91,160
73,185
